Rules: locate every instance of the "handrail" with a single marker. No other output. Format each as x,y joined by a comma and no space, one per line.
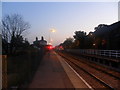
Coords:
106,53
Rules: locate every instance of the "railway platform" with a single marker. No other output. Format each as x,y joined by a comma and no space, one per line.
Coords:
55,72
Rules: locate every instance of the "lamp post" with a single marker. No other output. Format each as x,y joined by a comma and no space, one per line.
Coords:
51,31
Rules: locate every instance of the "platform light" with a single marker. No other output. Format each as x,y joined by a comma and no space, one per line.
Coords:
53,30
94,44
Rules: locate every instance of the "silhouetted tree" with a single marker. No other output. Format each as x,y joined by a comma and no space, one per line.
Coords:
75,44
13,27
104,37
80,37
89,40
68,43
100,36
108,36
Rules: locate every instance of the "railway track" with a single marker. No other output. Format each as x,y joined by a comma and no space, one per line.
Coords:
98,79
92,66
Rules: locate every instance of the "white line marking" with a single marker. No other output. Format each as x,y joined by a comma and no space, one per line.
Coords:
74,71
79,76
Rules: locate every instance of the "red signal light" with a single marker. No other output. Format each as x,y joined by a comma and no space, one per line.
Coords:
49,47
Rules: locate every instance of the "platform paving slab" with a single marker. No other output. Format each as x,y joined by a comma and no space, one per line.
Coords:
50,74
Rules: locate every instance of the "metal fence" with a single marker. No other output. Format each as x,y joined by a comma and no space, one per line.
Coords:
106,53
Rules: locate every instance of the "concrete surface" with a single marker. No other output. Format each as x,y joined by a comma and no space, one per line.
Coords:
50,74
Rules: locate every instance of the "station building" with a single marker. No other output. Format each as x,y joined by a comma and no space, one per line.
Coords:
39,43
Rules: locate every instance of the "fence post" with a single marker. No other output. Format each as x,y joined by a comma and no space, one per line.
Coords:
116,54
4,72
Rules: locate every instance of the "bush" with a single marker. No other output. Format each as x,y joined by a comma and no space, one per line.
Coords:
22,66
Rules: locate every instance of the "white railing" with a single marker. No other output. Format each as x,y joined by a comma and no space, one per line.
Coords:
106,53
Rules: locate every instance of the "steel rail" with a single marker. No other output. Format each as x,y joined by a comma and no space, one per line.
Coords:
92,75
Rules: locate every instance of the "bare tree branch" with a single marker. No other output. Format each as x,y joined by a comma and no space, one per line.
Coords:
13,25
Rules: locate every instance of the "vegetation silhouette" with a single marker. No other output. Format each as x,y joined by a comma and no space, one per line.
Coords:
104,37
13,26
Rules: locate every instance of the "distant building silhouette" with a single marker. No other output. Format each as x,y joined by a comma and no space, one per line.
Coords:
40,43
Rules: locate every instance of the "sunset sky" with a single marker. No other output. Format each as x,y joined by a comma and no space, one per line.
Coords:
64,17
